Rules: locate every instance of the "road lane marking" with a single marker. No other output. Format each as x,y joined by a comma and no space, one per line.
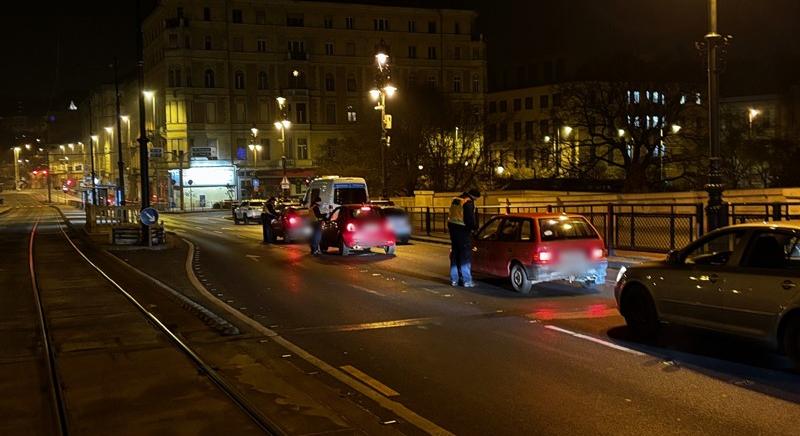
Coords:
595,340
369,381
252,257
593,311
409,322
361,288
383,401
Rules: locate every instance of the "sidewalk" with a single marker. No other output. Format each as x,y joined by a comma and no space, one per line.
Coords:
619,259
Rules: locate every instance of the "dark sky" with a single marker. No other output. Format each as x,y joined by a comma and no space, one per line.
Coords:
54,51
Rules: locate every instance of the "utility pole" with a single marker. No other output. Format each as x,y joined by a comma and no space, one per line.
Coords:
91,152
180,175
120,162
143,154
47,159
382,90
717,209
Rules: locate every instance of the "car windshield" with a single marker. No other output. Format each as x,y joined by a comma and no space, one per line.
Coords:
350,194
564,227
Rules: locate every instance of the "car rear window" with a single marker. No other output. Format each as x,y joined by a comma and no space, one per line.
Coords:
363,213
562,228
393,211
349,194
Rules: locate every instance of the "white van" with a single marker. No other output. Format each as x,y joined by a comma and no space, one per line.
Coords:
336,191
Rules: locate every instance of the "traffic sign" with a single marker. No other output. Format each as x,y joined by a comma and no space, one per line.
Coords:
285,183
149,216
256,184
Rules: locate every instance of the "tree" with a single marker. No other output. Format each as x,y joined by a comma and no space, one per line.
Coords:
645,133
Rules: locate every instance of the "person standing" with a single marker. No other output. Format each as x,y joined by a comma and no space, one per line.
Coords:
267,215
316,218
462,221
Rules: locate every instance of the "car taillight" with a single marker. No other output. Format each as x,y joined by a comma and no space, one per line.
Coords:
543,256
598,253
292,220
351,227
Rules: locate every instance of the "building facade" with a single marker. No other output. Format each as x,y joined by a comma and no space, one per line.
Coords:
217,67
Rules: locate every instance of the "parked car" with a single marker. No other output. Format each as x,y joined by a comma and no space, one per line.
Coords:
291,225
742,280
534,248
335,191
398,221
357,228
247,211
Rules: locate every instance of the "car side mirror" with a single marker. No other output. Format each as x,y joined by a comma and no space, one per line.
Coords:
673,257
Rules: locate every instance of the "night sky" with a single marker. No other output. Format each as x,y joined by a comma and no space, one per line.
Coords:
55,51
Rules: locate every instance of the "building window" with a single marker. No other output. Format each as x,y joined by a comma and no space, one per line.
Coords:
457,84
238,43
173,40
544,101
265,149
238,80
261,45
431,26
476,53
544,127
381,24
431,83
328,22
174,77
237,16
352,86
529,130
211,112
492,107
207,43
295,20
261,16
556,100
457,53
352,117
208,77
476,83
241,111
207,14
330,83
412,26
348,22
491,133
301,116
302,149
457,28
503,131
412,51
329,48
503,106
431,52
263,83
517,131
528,103
330,113
517,104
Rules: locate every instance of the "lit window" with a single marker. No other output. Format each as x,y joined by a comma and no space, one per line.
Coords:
351,114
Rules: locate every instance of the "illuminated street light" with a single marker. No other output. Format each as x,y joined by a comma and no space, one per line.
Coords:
547,138
63,149
16,167
420,167
254,131
109,130
621,133
95,138
148,94
281,101
27,146
567,130
676,128
71,146
381,58
390,90
500,170
752,114
375,94
125,118
295,73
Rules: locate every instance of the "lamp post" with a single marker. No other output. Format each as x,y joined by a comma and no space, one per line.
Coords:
382,90
151,95
752,114
16,168
282,124
716,210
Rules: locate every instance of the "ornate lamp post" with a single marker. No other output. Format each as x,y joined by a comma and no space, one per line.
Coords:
383,88
282,124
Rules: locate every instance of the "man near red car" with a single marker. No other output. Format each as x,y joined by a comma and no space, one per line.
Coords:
462,221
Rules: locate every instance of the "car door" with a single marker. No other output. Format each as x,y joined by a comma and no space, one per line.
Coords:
690,290
766,281
330,228
484,241
507,243
241,212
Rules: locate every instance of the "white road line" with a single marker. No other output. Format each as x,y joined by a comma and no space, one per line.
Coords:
361,288
252,257
369,381
595,340
398,408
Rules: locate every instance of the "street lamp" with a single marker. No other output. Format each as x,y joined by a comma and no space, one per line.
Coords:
151,95
621,133
383,88
752,114
255,148
27,146
676,128
16,168
282,125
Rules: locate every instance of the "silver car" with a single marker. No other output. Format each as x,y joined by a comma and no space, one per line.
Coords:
248,211
742,280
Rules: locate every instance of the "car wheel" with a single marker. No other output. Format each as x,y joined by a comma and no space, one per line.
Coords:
390,249
344,250
519,279
640,314
591,284
791,341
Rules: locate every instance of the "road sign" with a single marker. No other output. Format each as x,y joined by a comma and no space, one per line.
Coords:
190,182
285,183
156,152
149,216
256,184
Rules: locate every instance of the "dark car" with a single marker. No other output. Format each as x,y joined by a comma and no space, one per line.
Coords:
357,228
291,225
399,222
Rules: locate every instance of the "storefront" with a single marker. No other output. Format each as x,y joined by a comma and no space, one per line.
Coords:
203,186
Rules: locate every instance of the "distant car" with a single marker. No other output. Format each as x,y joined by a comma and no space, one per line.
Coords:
357,228
291,225
248,211
742,280
535,248
398,221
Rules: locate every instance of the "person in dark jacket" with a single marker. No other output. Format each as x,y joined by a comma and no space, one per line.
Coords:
316,217
267,215
462,221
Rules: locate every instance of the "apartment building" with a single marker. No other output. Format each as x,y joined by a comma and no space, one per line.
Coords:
217,67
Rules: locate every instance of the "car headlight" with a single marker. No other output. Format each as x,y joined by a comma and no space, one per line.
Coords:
621,273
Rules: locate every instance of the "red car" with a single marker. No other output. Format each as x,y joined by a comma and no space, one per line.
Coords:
535,248
357,228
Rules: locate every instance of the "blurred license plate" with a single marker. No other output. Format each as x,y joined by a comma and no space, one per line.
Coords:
573,258
371,228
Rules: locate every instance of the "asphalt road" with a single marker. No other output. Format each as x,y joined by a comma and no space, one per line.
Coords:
486,360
